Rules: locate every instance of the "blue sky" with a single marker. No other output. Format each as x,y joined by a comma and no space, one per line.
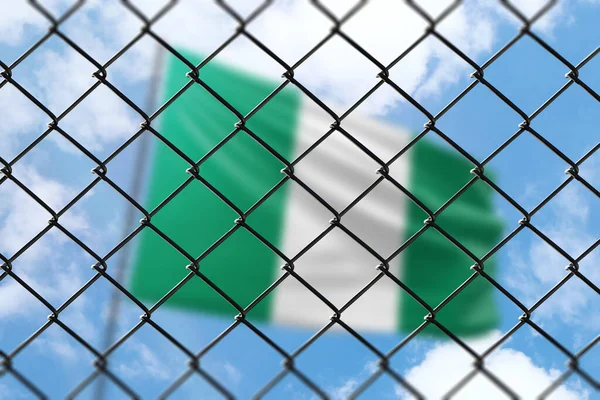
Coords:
526,170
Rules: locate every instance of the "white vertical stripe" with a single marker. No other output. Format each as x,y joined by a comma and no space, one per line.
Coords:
337,266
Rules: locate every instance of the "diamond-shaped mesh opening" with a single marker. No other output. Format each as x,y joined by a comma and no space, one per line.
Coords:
533,352
379,309
541,83
565,219
424,161
574,51
566,323
23,323
41,71
224,74
22,28
380,218
23,121
147,362
242,170
565,129
57,170
251,262
535,267
474,32
432,366
22,215
398,21
216,25
434,83
336,379
453,267
144,60
285,310
334,80
105,299
94,301
485,130
243,360
165,172
330,257
282,218
159,268
540,177
477,320
472,221
291,19
52,348
200,327
344,164
54,267
89,216
100,21
101,122
217,217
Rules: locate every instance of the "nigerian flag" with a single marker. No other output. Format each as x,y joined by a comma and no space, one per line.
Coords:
338,266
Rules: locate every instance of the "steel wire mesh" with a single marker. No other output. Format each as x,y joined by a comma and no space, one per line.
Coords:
102,174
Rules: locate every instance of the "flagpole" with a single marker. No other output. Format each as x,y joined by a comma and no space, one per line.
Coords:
140,160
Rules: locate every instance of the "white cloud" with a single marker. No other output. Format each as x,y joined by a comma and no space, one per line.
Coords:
21,20
234,374
11,393
348,386
19,117
22,217
16,19
383,28
53,341
19,299
102,28
342,392
443,364
50,266
337,71
61,75
536,267
447,363
102,118
143,362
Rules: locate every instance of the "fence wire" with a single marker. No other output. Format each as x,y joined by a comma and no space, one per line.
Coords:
102,367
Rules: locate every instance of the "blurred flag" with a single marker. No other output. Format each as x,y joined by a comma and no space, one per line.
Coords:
337,266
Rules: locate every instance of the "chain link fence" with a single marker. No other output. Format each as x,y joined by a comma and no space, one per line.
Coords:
102,169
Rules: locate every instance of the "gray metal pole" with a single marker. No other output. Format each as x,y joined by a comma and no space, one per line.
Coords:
141,157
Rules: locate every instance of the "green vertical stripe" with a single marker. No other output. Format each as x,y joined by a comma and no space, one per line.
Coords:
433,267
242,170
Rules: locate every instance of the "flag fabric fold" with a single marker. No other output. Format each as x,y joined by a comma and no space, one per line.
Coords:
345,259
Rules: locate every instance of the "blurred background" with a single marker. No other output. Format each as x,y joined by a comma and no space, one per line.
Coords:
51,52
